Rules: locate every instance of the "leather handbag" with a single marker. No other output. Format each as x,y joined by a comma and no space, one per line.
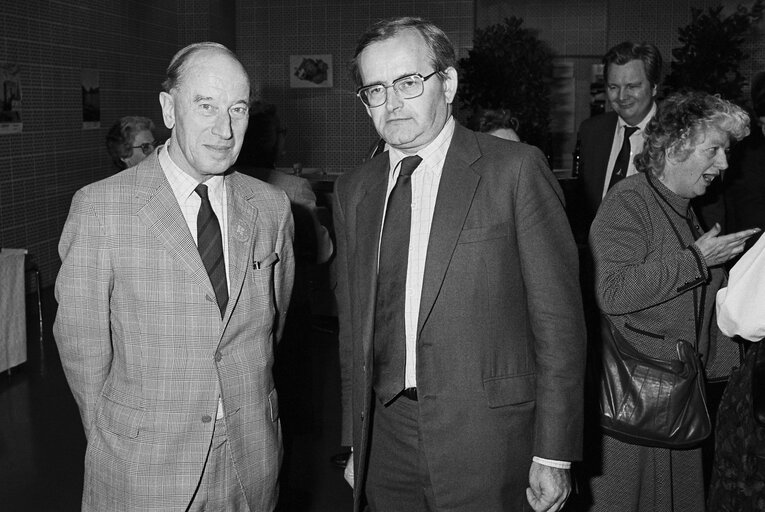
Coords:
649,401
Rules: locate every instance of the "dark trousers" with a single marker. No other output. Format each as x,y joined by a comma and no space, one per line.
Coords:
398,478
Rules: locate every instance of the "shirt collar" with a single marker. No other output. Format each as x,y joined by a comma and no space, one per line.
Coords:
182,184
642,124
438,145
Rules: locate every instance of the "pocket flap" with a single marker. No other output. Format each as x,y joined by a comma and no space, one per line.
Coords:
470,235
510,390
266,262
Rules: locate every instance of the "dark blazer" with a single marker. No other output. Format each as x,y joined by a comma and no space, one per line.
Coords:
596,136
500,341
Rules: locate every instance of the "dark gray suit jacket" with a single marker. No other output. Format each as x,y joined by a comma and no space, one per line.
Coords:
596,136
500,341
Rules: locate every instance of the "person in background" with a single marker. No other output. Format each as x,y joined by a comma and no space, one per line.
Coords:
462,357
745,179
173,291
499,123
738,472
130,140
608,142
656,276
294,366
262,147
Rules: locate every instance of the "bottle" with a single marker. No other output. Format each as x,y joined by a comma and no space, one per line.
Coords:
575,161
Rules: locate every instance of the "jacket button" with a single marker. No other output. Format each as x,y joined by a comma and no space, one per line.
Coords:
206,418
218,356
362,415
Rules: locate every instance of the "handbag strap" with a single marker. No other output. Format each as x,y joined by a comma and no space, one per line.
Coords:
698,303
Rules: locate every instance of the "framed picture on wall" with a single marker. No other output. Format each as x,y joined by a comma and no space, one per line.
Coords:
310,71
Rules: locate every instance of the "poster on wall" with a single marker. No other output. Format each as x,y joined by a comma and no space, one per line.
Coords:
91,99
10,114
310,71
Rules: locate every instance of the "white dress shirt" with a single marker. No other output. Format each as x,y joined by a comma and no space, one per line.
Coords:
636,146
189,201
425,181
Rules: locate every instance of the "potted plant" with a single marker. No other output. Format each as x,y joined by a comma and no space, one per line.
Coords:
510,68
710,56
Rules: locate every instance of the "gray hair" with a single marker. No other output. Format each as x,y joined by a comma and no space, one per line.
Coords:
180,60
680,122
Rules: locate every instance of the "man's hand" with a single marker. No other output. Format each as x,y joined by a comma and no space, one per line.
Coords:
716,250
348,473
548,487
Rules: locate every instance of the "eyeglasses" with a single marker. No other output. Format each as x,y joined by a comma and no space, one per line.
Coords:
406,87
146,147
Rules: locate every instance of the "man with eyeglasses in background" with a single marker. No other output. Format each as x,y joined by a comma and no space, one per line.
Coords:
461,331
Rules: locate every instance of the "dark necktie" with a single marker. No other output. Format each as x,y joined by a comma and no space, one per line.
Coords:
210,245
390,328
623,159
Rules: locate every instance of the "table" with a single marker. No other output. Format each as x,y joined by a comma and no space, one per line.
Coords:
13,322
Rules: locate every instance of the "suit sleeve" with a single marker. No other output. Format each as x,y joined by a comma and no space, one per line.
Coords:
549,264
83,290
284,272
344,315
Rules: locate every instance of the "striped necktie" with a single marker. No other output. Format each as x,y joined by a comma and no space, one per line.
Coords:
210,245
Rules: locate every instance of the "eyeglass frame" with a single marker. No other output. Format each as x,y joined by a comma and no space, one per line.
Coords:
424,79
153,145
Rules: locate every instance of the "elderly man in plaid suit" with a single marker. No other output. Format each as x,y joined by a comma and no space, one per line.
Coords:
176,275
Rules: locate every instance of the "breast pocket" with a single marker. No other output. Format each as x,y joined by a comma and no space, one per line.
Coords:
483,233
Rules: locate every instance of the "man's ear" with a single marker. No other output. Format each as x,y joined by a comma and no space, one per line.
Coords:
450,82
168,109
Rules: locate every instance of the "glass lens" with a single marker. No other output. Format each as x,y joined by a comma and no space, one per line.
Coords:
409,86
147,147
374,95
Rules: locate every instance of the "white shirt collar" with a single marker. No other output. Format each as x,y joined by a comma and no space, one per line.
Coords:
182,184
642,124
439,144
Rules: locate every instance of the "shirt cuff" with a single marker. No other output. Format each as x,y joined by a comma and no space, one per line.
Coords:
560,464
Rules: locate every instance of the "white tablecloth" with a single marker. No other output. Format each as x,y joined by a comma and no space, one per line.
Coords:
13,323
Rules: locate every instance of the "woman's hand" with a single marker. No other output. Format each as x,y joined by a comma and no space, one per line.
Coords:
716,250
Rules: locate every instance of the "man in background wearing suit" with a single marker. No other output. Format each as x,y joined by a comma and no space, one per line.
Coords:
609,141
175,279
461,332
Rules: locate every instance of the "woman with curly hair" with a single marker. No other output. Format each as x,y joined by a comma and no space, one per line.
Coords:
656,275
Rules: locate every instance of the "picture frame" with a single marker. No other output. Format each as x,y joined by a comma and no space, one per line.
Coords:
311,71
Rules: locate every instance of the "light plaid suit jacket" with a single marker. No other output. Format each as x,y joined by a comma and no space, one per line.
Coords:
144,348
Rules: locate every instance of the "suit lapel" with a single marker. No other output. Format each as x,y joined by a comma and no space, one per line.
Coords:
605,151
455,196
369,212
158,209
242,216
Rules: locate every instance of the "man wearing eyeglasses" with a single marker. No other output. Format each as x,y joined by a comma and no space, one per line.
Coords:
173,291
461,332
